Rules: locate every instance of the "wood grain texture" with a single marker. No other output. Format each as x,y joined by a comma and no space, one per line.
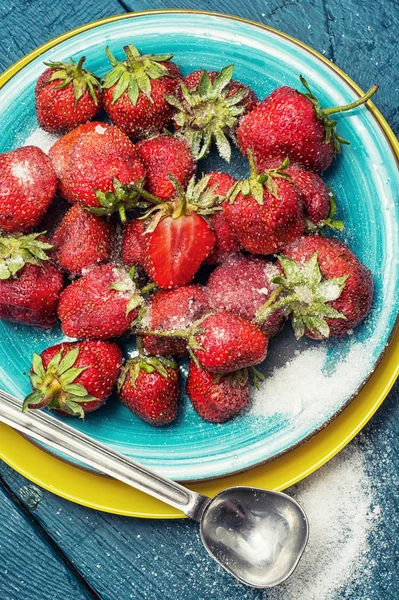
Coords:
365,45
28,565
125,558
26,24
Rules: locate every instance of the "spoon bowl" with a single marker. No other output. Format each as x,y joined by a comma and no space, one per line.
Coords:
256,535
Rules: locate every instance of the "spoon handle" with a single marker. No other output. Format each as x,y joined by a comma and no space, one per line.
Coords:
45,428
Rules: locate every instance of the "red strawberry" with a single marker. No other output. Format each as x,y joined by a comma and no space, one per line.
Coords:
149,387
102,304
208,109
265,211
242,285
223,342
217,398
82,240
162,156
134,243
102,164
66,95
179,239
27,187
74,377
171,310
30,286
134,91
327,290
60,155
318,200
291,123
226,239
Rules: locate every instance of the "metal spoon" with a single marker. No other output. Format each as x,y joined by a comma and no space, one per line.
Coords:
256,535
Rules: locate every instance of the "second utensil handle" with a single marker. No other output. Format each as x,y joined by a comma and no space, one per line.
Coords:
45,428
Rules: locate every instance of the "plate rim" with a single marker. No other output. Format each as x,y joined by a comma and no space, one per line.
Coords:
394,145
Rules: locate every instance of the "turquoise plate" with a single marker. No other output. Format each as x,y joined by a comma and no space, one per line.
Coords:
307,384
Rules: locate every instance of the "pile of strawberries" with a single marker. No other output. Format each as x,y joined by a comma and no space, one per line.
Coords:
209,268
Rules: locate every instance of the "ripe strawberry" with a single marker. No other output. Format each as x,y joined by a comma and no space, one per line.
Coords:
327,290
208,109
162,156
149,387
318,200
291,123
226,240
223,342
134,91
66,95
242,285
102,164
179,239
171,310
27,187
60,155
265,211
134,243
217,398
82,240
74,377
30,286
102,304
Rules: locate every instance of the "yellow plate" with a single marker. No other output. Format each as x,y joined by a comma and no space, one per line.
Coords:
102,493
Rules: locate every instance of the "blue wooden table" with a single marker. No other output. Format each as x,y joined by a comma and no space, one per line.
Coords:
51,549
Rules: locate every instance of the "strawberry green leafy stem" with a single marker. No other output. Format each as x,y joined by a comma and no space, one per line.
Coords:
329,222
80,78
17,250
127,285
134,74
257,183
143,362
122,199
207,113
54,386
323,113
305,295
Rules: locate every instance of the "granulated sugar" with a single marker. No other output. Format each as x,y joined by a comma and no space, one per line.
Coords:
23,172
305,388
41,139
337,500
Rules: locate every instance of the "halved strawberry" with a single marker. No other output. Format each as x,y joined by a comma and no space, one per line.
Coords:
180,239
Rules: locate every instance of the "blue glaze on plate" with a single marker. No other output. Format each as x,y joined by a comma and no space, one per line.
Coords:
365,181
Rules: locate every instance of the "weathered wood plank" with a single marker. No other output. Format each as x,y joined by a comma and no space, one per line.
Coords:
364,36
26,24
127,558
304,19
28,565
